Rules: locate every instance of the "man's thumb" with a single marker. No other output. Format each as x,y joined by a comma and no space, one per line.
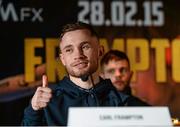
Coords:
44,81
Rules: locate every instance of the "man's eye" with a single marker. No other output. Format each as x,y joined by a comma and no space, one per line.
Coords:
68,50
111,71
86,47
123,70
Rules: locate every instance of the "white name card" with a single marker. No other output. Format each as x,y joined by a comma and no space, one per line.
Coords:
119,116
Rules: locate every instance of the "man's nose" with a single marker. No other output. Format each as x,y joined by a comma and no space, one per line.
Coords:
79,54
118,73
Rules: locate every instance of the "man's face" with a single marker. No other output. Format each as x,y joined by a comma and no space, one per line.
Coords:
118,72
79,52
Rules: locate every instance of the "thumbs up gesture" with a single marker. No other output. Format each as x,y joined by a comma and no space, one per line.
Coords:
42,95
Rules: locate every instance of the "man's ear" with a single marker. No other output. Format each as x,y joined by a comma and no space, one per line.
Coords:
62,59
101,51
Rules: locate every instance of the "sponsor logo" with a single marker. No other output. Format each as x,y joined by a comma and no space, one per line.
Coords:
10,13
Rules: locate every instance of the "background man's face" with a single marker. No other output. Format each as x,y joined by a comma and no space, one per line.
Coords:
79,52
118,72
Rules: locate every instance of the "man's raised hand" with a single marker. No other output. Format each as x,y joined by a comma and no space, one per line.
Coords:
42,95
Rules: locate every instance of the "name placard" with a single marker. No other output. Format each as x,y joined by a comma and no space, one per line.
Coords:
119,116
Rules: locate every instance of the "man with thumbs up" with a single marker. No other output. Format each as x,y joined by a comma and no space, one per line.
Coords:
80,53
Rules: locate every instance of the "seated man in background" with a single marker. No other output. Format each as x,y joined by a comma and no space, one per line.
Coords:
116,67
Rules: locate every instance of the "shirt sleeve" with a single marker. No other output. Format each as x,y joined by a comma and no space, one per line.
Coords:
32,117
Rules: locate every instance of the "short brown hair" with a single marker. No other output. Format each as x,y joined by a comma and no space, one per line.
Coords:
77,26
114,55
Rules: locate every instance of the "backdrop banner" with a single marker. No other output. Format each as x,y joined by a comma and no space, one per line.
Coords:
148,31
